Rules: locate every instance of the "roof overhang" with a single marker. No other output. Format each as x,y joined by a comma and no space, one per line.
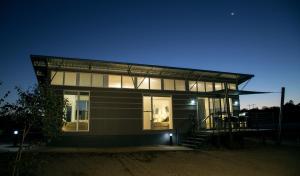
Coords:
42,63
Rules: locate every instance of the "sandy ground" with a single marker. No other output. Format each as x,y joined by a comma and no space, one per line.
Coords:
259,160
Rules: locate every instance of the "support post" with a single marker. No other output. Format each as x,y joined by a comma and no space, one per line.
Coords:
280,115
228,113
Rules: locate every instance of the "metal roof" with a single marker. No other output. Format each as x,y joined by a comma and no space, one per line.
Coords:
42,62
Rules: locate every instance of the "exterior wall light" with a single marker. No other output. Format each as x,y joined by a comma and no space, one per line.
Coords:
236,103
192,102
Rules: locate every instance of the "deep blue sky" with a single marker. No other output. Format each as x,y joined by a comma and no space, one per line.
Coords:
261,38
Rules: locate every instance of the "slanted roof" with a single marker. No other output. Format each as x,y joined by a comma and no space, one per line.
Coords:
42,63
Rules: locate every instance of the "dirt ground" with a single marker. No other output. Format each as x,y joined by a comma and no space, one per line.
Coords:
259,160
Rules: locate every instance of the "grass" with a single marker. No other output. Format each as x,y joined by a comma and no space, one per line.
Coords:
254,160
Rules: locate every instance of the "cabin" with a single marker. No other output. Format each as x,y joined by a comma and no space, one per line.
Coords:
125,104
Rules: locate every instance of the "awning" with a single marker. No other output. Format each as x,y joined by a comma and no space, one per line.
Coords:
239,92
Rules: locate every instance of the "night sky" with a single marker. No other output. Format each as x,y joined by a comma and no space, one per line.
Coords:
256,37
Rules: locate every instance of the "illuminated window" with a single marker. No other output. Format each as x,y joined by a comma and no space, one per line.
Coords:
97,80
128,82
155,83
114,81
143,83
232,86
157,113
201,86
209,86
193,86
218,86
70,78
180,85
85,79
57,78
77,111
168,84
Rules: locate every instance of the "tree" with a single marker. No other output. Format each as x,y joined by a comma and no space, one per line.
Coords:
40,109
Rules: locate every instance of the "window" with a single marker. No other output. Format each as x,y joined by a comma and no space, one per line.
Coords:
85,79
155,83
218,86
142,83
70,78
57,78
168,84
157,113
180,85
114,81
128,82
201,86
209,86
232,86
97,80
193,86
77,111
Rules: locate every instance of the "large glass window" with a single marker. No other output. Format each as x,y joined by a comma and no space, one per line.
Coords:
157,113
57,77
180,85
155,83
77,111
97,80
142,83
114,81
70,78
128,82
85,79
193,86
169,84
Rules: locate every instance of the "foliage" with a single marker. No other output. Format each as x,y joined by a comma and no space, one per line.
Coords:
40,110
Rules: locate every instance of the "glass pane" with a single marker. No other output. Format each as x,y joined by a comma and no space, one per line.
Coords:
97,80
209,86
147,103
128,82
57,78
147,120
85,79
218,86
70,78
232,86
155,83
201,87
217,105
83,112
71,120
162,113
114,81
193,86
168,84
180,85
143,83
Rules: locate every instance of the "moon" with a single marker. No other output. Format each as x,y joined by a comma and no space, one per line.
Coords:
232,13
